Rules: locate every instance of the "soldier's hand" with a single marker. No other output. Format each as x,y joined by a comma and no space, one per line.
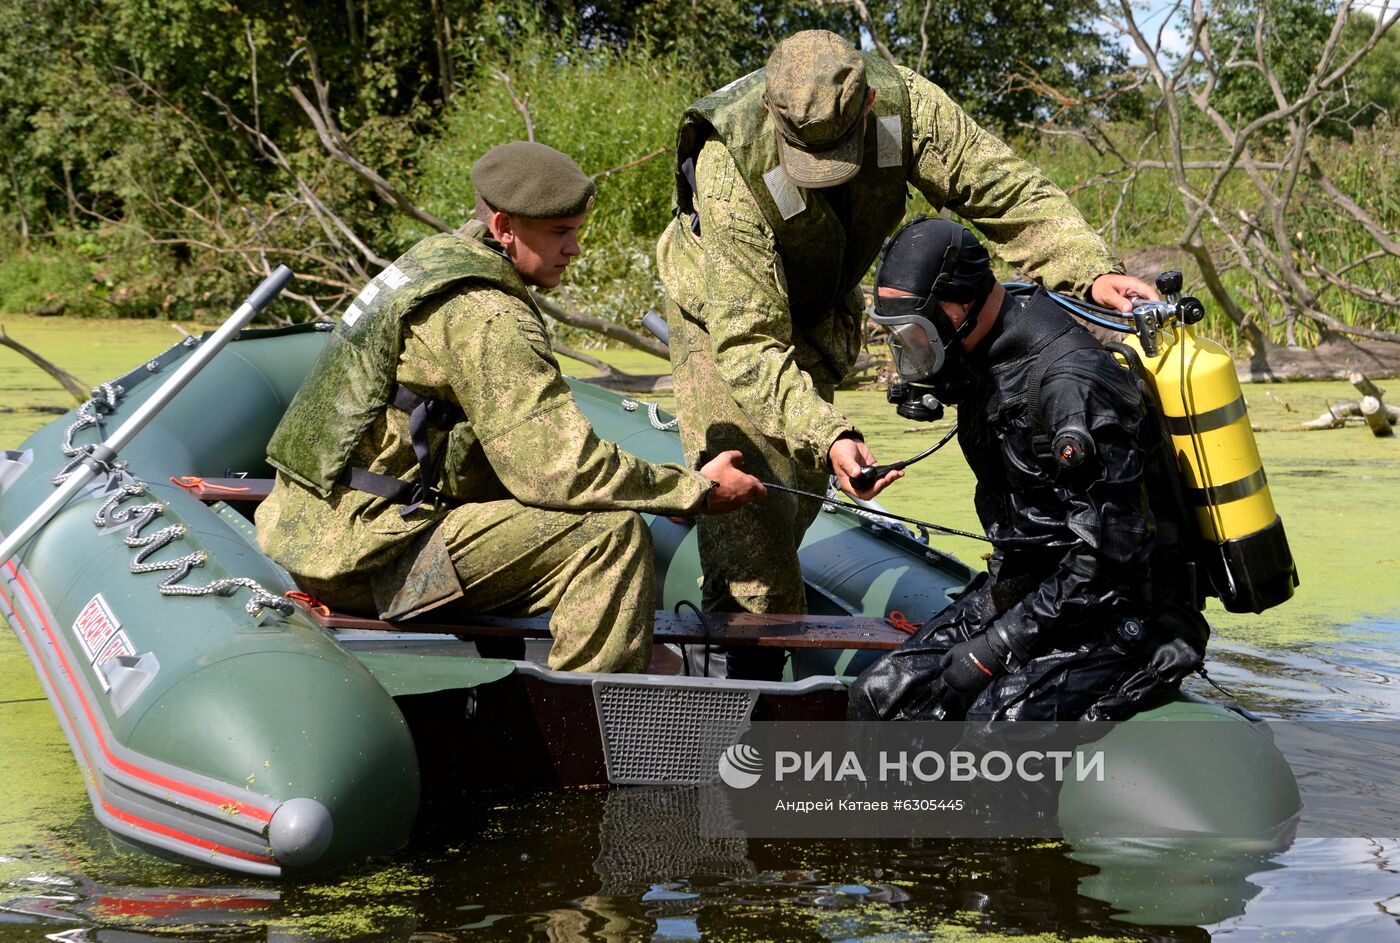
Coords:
846,457
734,487
1118,291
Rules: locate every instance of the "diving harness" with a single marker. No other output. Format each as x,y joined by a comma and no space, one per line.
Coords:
1219,493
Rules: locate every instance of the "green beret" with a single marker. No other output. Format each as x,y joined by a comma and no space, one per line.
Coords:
523,178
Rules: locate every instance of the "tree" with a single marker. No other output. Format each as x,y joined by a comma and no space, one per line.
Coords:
1204,148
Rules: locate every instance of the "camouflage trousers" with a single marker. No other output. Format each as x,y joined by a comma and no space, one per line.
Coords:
749,557
594,570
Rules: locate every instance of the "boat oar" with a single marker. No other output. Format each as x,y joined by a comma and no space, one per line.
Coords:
101,456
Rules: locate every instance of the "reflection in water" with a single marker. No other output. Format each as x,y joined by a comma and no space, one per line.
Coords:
1339,889
668,864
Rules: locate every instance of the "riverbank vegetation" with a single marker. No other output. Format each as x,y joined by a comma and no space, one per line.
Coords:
159,157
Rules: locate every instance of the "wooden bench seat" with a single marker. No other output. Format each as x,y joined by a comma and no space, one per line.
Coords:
743,629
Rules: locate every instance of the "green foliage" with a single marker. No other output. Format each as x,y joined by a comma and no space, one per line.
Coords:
1001,59
613,112
1375,85
45,279
128,186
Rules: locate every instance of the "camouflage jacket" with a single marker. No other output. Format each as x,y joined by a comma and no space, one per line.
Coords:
486,350
735,276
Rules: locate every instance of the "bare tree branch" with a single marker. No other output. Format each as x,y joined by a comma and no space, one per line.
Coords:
333,141
521,104
75,387
629,165
587,322
866,20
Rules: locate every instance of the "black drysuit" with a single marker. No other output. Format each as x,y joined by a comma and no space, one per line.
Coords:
1090,614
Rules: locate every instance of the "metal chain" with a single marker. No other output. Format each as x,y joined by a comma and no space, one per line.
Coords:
653,413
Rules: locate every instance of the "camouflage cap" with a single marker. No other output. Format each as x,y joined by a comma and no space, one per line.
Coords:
523,178
816,96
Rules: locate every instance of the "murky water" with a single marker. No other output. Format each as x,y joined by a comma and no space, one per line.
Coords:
631,864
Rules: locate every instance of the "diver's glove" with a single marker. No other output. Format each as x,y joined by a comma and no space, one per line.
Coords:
968,667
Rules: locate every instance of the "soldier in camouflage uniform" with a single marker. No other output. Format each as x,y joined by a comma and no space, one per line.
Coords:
435,454
787,182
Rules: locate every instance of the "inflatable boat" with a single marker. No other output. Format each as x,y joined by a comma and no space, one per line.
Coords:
214,721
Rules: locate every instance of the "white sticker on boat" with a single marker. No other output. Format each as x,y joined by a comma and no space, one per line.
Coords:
95,626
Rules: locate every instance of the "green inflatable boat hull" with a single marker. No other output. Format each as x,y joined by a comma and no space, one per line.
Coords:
255,740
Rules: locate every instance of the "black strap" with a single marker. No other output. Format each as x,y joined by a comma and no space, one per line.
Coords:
688,171
423,413
362,479
1063,344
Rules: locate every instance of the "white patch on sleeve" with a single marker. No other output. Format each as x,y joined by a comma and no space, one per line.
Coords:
889,135
392,277
741,79
785,193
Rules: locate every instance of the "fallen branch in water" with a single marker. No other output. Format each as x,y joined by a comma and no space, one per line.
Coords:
613,378
72,384
1350,411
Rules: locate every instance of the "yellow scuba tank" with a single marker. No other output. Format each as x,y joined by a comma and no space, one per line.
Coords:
1243,547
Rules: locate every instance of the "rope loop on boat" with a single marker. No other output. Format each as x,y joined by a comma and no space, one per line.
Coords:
653,414
123,486
103,401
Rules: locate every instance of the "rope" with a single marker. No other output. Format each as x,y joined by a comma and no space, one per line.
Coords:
91,413
103,401
311,603
138,516
653,414
898,621
195,483
705,644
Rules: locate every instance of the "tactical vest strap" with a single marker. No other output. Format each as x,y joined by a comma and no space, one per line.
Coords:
423,412
687,170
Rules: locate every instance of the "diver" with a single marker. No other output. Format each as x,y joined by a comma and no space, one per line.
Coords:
1087,610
